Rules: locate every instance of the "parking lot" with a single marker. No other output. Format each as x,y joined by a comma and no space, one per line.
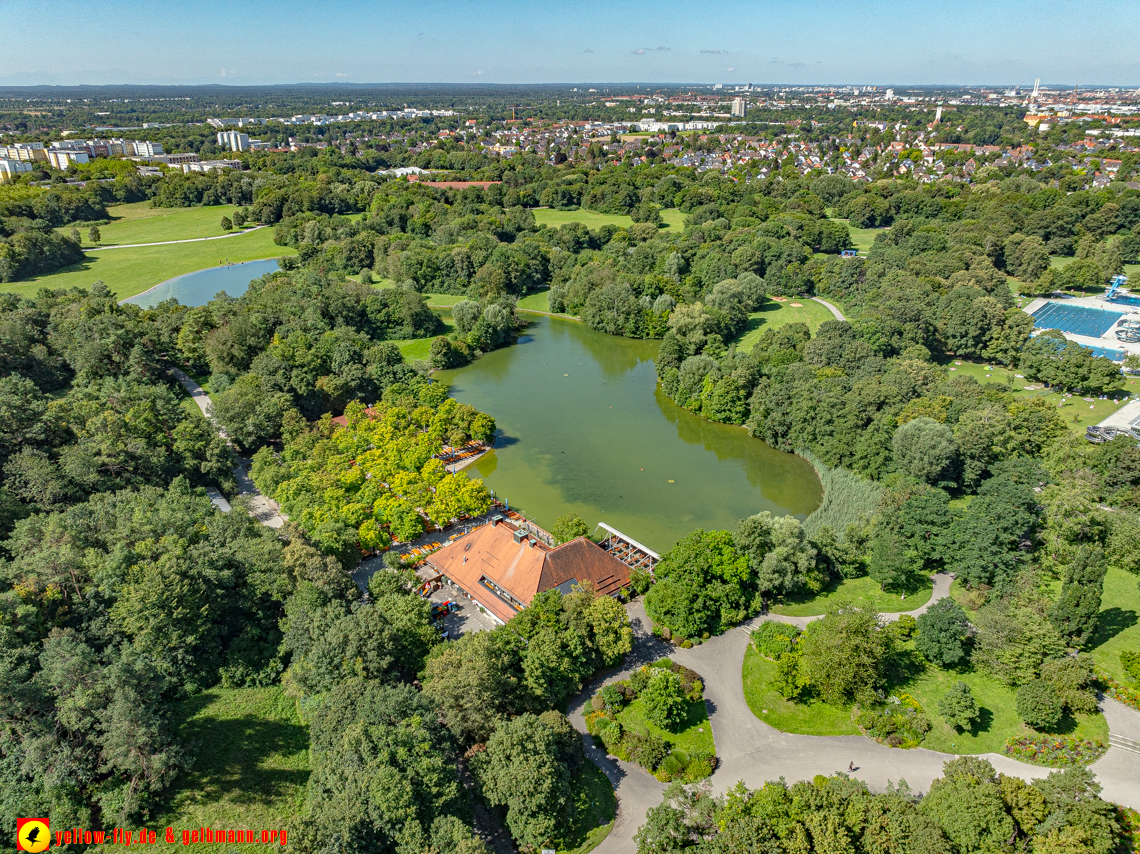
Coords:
467,619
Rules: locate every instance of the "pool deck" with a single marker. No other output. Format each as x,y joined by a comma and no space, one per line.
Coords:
1109,339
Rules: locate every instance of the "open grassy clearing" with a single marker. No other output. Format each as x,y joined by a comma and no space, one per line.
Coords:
773,315
420,348
693,733
673,218
1118,626
861,238
131,271
860,591
138,222
594,807
999,719
251,767
806,718
1076,412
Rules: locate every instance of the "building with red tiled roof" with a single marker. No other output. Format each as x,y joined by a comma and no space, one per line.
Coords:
503,568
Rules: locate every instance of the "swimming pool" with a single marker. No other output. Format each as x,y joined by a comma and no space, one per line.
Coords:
1125,300
1075,319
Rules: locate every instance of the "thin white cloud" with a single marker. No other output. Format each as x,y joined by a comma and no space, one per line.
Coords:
639,51
715,50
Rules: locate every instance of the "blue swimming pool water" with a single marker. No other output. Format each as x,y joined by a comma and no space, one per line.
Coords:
1075,319
1129,300
200,287
1115,355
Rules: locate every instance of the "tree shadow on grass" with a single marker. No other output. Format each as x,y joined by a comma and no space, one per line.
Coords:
1110,623
983,723
230,753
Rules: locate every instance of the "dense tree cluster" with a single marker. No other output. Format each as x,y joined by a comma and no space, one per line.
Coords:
379,477
970,808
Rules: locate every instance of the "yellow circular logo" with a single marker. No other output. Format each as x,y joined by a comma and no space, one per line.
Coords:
33,836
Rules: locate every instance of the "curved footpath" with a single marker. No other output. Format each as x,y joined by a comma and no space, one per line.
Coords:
752,751
838,314
262,508
172,242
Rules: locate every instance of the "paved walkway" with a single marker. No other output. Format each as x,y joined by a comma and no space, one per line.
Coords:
172,242
262,508
752,751
838,314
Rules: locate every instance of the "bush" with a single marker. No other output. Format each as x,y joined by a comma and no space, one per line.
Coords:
942,633
774,639
900,722
1072,679
698,769
669,769
1039,704
1130,661
789,681
664,699
639,581
904,627
646,750
612,697
610,732
959,707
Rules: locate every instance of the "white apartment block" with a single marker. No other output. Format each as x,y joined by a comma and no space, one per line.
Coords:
9,169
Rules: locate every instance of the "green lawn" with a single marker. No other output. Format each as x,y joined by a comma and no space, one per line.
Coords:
1076,412
420,348
251,767
999,721
773,315
861,238
131,271
443,300
538,301
694,732
138,222
861,591
673,218
595,807
786,716
1118,628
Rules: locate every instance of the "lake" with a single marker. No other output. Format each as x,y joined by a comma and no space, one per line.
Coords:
199,288
584,428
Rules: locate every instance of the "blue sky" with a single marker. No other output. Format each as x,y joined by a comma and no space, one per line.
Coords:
762,41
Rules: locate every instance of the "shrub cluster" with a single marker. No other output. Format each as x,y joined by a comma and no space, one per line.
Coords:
899,722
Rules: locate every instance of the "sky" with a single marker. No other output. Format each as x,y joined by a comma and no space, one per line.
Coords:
958,42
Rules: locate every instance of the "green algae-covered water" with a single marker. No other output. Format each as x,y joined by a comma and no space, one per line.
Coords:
584,428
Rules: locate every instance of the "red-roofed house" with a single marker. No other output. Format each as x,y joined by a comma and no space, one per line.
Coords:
503,568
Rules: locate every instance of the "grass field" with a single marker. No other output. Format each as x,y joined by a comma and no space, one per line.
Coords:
773,315
1076,412
538,301
595,807
674,219
1118,627
861,591
861,238
138,222
131,271
786,716
999,719
251,767
694,732
420,348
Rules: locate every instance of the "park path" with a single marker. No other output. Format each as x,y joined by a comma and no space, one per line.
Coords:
262,508
172,242
754,752
838,314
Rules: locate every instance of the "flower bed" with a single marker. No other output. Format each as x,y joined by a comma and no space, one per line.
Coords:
898,722
1055,751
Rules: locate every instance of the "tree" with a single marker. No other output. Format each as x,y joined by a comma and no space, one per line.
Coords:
523,772
702,586
227,224
1075,612
569,527
942,633
94,236
924,449
472,683
779,553
664,698
966,802
959,707
846,653
1039,705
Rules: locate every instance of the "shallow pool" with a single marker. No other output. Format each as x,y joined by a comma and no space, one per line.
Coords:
200,287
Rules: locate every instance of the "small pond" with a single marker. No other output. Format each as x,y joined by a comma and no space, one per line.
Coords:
584,428
199,288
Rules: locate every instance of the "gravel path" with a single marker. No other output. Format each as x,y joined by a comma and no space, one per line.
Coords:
752,751
835,311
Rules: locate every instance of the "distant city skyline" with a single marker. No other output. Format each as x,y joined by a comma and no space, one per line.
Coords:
1064,42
